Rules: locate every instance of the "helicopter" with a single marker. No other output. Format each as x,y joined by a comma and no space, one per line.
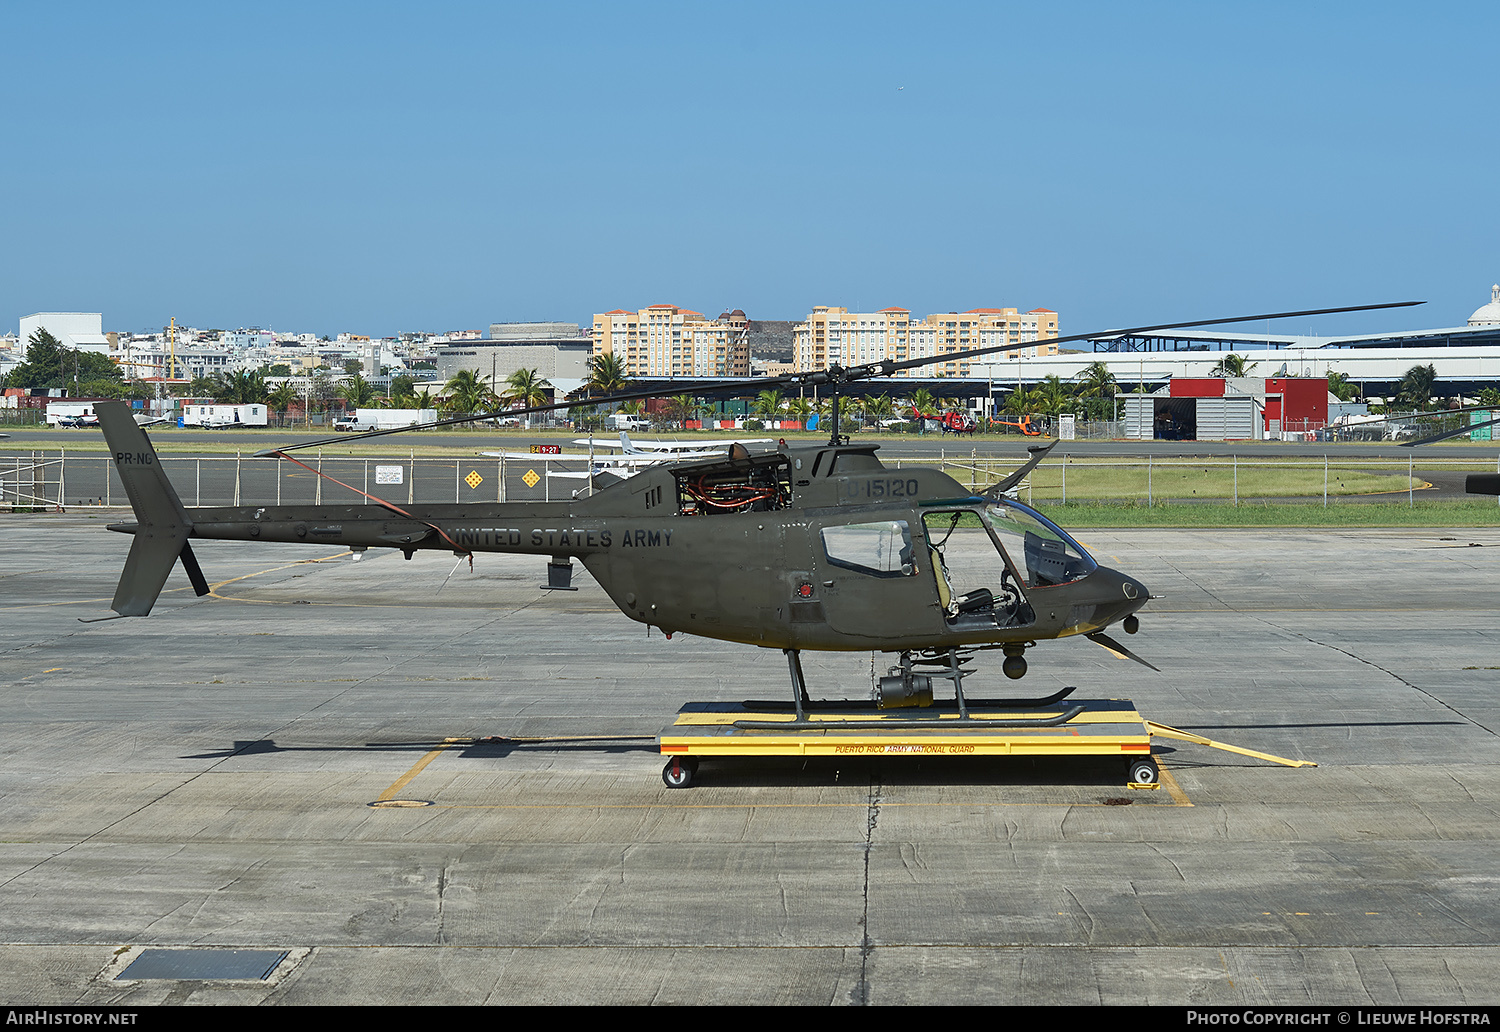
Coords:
952,422
818,546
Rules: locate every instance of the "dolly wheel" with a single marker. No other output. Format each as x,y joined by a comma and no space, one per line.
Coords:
1144,772
678,773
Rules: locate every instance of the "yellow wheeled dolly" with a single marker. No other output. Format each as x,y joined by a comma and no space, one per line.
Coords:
1100,727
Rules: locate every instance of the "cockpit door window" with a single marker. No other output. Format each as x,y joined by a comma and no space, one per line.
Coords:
882,549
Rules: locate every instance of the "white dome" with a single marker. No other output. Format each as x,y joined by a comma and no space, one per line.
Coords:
1488,315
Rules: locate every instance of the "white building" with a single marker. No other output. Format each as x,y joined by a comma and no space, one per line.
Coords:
1488,315
81,331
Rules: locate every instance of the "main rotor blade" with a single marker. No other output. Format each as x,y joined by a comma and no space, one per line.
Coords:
833,374
1107,643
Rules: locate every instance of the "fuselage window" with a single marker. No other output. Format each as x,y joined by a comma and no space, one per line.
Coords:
883,548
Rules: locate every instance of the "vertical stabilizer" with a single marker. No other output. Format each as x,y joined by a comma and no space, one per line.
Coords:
162,525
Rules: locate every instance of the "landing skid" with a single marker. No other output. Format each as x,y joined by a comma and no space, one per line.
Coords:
908,696
837,705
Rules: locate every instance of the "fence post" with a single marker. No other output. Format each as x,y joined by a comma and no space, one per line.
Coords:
1148,480
109,487
1236,480
38,485
1065,479
62,471
1411,494
366,499
318,488
1325,481
278,480
236,476
411,475
198,482
458,468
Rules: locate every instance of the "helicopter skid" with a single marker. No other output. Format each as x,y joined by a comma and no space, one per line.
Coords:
854,704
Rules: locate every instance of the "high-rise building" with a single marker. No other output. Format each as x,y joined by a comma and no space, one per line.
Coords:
664,340
837,336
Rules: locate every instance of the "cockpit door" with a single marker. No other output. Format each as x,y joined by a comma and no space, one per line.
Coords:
871,576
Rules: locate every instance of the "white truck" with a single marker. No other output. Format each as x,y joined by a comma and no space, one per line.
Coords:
367,419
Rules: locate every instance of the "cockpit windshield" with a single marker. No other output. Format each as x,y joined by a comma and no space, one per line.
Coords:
1043,550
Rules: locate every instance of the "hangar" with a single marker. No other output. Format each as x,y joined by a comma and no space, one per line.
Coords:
1236,408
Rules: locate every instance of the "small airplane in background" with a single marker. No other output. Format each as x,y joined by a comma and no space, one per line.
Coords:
635,457
704,448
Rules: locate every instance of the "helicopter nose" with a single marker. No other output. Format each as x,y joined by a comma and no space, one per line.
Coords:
1119,595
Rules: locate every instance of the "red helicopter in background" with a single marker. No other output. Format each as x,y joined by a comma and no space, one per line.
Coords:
960,423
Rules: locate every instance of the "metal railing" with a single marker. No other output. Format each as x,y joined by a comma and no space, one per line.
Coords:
62,480
52,481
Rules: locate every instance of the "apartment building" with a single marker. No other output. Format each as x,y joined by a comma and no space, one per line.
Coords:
836,335
664,340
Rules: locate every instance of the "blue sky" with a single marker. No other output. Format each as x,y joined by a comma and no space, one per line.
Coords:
374,168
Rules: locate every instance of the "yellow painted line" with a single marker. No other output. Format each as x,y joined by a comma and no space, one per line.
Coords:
213,589
417,768
1179,797
48,605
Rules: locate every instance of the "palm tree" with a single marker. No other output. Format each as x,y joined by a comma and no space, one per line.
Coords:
1340,386
1232,365
1052,395
606,374
527,388
1097,384
467,393
401,393
768,403
357,392
240,388
1020,402
1416,387
280,399
922,400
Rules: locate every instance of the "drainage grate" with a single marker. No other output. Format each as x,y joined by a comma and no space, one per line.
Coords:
234,965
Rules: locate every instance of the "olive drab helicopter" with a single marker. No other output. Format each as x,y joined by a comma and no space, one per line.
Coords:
818,547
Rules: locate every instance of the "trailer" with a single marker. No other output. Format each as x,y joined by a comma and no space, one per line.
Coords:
1075,728
222,417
